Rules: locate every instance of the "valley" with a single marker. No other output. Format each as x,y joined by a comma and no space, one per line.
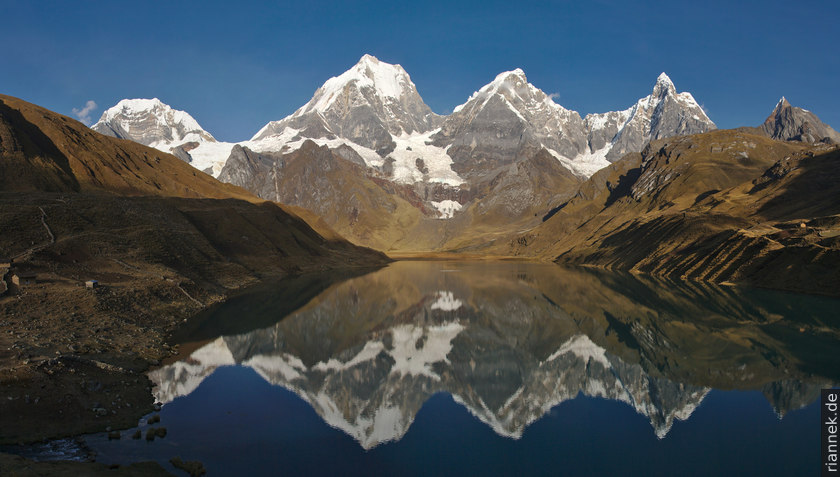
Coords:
654,188
400,178
418,238
132,228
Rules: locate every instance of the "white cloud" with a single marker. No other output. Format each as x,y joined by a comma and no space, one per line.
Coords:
554,96
84,113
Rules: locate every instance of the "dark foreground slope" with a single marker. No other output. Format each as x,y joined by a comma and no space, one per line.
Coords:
724,206
162,240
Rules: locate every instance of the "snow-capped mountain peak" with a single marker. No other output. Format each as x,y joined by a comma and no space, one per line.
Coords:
664,85
154,123
783,102
514,87
507,77
663,113
788,122
370,104
386,80
508,116
150,121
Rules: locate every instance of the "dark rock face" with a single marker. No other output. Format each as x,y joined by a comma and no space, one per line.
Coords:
182,152
528,185
789,395
354,200
789,123
246,168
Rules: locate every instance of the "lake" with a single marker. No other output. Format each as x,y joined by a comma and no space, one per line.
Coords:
495,368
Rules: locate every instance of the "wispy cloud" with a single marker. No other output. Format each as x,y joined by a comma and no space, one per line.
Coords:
554,96
84,113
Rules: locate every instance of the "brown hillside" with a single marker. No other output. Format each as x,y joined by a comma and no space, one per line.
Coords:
42,151
69,157
162,240
512,199
721,206
339,191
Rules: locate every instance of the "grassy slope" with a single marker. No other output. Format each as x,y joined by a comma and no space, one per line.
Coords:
47,152
690,207
163,239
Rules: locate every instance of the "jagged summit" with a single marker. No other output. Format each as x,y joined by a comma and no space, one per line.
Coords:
505,120
509,84
388,81
149,121
368,104
663,85
789,123
154,123
663,113
513,75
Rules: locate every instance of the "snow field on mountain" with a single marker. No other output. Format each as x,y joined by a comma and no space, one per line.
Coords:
584,164
447,208
386,89
411,147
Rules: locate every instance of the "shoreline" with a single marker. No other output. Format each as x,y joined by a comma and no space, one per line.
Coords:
73,360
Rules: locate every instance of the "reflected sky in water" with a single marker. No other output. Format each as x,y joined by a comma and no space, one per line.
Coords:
496,359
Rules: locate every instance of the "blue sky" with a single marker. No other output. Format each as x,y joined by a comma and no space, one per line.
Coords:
237,65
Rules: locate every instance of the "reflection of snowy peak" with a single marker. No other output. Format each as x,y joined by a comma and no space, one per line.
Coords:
183,377
363,396
579,366
509,342
373,390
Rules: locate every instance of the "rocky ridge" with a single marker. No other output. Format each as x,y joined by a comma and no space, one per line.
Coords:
153,123
789,123
367,105
500,163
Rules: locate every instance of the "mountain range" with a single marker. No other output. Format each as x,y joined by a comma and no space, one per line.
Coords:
511,172
375,109
508,152
508,174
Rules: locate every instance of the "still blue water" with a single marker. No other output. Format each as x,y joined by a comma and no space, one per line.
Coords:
500,369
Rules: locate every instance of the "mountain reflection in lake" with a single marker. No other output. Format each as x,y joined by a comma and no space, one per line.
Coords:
420,342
